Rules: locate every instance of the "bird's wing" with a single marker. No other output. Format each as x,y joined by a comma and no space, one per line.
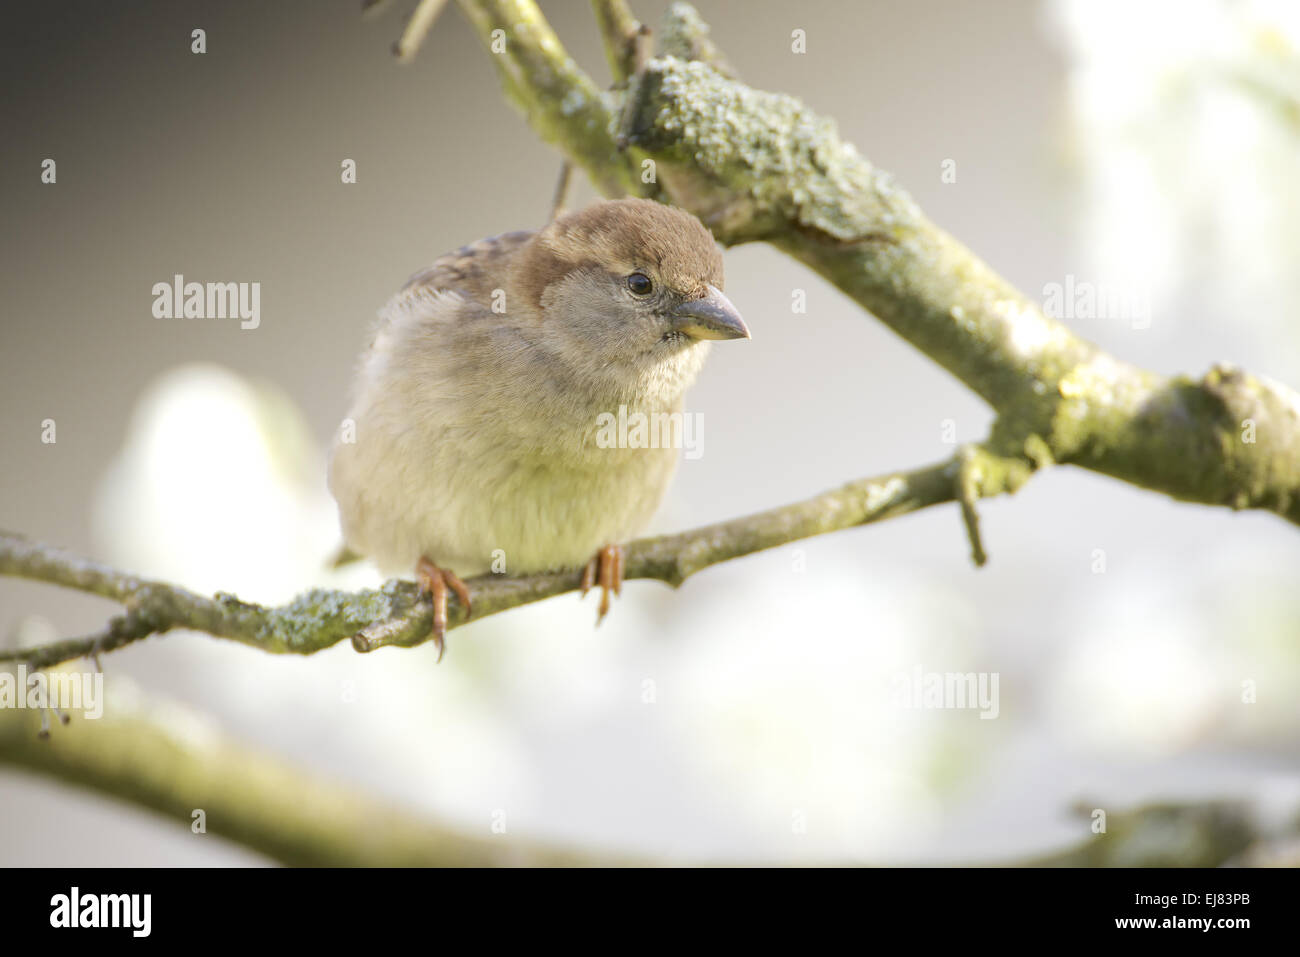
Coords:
458,284
474,272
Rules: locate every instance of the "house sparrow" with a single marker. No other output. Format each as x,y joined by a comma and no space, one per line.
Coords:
474,424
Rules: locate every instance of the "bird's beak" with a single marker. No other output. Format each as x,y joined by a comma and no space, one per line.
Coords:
713,317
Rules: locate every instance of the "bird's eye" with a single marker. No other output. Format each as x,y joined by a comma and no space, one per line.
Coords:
640,284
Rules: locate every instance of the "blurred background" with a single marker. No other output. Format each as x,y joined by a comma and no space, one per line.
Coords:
1149,147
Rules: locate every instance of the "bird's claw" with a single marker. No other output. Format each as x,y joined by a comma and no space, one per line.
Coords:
436,582
606,570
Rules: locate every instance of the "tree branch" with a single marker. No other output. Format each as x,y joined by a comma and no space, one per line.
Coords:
397,614
135,753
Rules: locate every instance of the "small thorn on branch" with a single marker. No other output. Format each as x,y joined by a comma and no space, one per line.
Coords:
967,488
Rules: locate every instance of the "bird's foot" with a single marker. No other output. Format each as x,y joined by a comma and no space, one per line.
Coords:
435,582
606,570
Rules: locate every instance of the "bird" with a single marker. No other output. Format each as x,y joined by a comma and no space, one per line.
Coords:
472,440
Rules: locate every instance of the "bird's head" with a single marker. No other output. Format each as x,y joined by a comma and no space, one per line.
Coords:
629,287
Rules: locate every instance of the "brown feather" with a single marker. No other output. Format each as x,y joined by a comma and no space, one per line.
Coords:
624,235
474,271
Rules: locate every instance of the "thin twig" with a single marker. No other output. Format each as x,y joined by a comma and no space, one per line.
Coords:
623,37
561,196
399,614
417,29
